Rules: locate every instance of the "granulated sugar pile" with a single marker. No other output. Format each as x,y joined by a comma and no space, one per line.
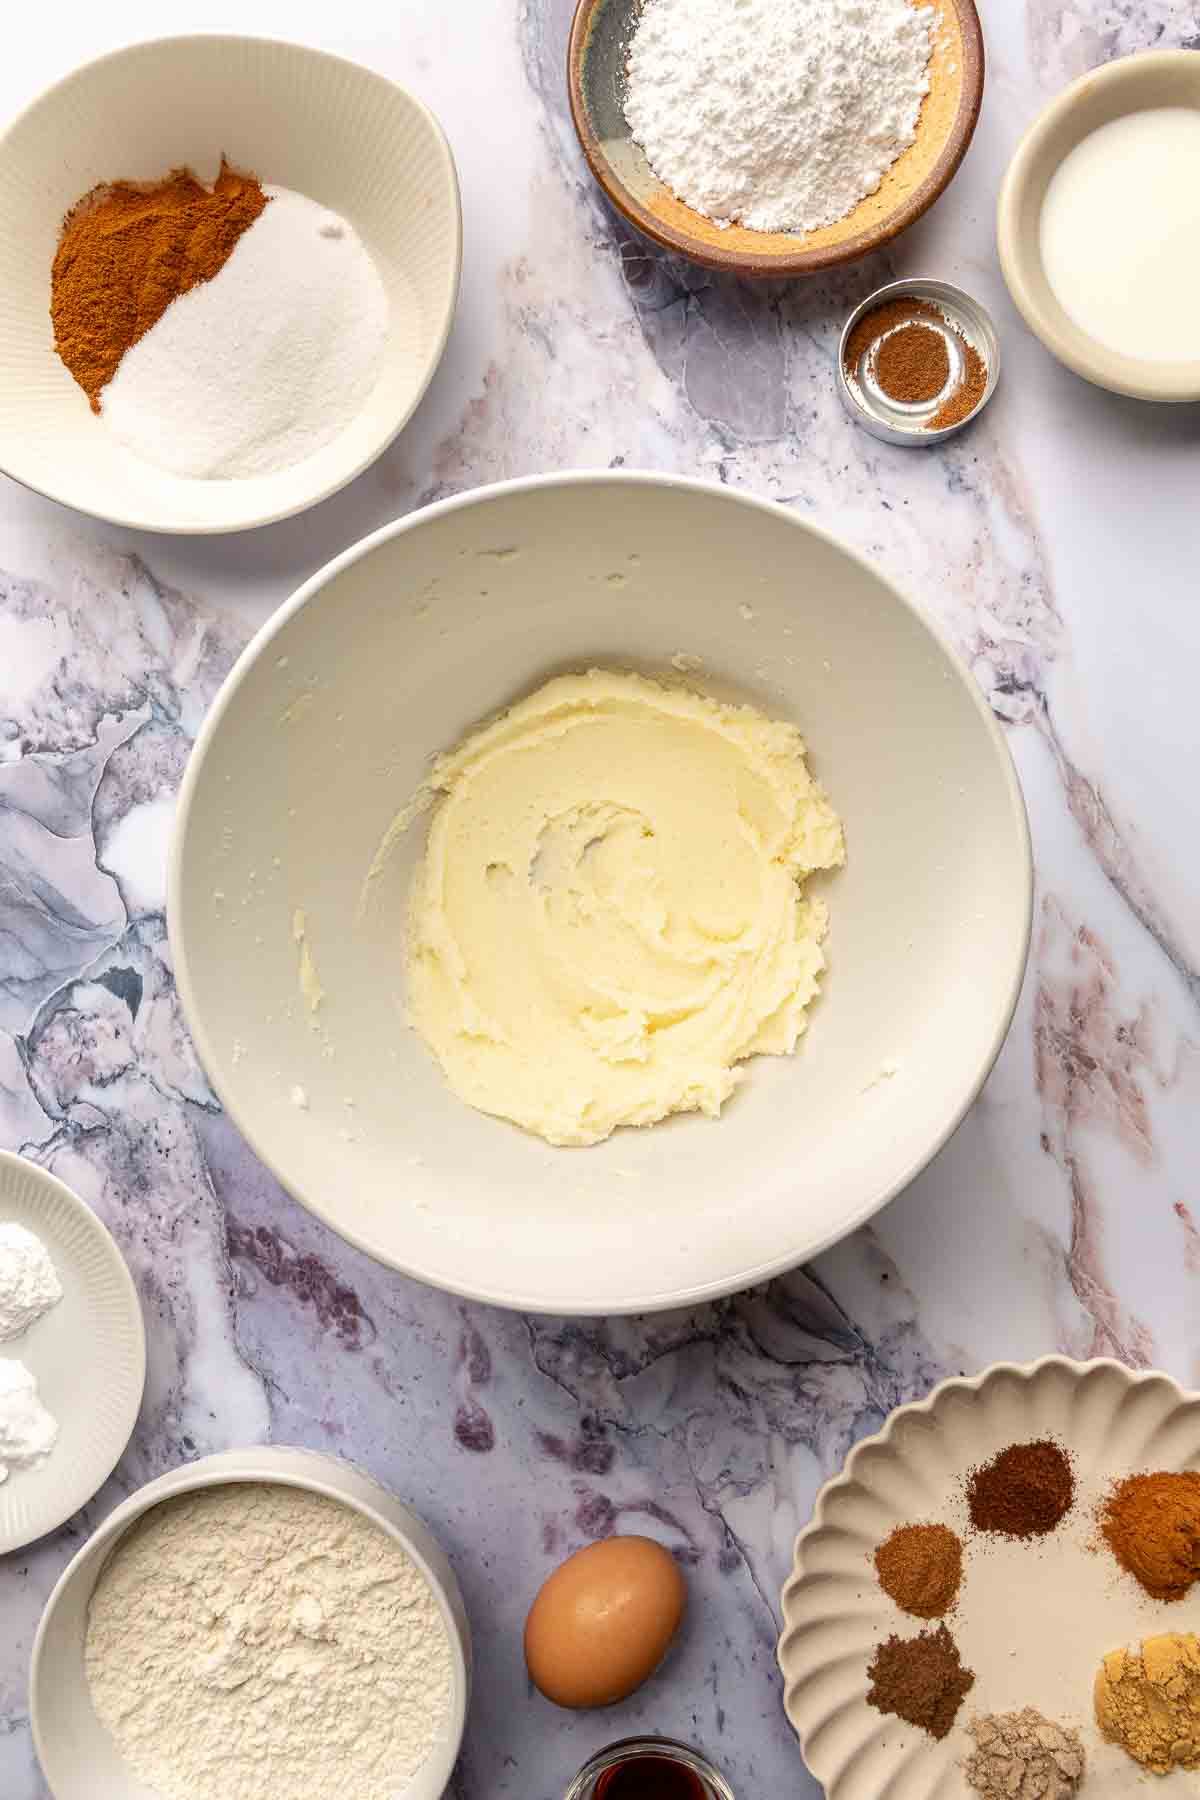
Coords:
263,365
777,114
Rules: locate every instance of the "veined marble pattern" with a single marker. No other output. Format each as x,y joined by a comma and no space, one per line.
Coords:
1054,542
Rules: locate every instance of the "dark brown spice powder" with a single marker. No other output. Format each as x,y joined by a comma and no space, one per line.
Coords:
920,1679
912,364
962,402
883,318
1023,1492
920,1566
966,397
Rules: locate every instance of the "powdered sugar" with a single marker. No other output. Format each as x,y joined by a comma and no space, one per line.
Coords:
777,114
28,1432
258,368
29,1285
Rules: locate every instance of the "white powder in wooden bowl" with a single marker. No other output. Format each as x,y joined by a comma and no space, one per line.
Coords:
777,114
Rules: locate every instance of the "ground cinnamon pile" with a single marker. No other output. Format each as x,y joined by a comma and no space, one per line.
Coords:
920,1566
1023,1492
912,364
1151,1524
903,346
920,1680
126,251
967,395
879,321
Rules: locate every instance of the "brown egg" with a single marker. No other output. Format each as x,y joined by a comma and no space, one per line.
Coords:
604,1620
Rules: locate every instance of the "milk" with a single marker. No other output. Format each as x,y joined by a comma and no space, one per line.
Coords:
1120,234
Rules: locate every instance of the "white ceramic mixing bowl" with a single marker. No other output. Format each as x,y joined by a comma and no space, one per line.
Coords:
77,1755
324,731
296,118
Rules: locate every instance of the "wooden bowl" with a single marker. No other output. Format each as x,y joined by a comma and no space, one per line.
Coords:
596,57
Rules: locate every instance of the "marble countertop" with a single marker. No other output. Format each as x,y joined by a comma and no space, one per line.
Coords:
1051,541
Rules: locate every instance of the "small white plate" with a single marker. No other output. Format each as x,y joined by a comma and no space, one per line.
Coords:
88,1354
1033,1618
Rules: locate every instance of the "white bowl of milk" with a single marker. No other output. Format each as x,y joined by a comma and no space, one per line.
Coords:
1099,226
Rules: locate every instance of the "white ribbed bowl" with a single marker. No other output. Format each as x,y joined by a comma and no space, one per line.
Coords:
295,117
1033,1619
88,1354
79,1759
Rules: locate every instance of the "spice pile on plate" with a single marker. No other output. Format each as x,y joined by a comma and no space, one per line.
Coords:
221,332
920,1679
1024,1756
1151,1523
1023,1492
920,1566
1148,1701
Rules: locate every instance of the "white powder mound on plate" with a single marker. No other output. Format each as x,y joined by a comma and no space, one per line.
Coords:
28,1433
29,1284
777,114
256,369
256,1642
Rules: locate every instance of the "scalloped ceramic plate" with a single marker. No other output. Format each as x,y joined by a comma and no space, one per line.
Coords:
1033,1619
88,1354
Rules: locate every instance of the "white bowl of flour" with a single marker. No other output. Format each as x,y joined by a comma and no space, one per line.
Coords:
266,1622
342,137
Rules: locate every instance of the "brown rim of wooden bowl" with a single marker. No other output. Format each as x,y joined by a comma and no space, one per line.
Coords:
802,262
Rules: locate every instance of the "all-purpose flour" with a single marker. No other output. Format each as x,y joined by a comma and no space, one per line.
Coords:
777,114
261,1642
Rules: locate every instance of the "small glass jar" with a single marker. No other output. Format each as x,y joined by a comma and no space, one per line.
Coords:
599,1774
